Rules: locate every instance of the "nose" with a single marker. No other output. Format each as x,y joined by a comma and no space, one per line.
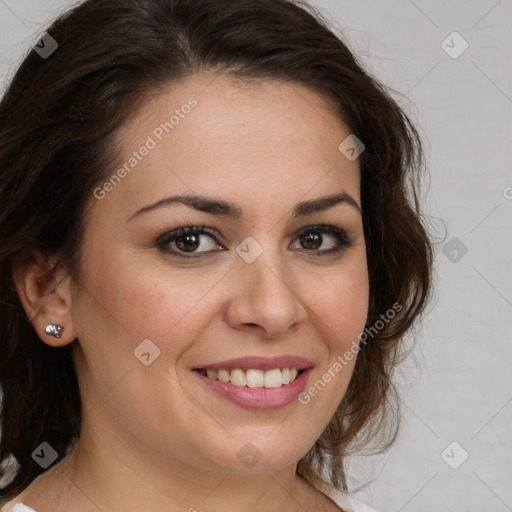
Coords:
265,297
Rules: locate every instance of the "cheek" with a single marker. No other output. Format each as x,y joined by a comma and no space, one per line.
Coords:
162,304
143,299
340,314
341,308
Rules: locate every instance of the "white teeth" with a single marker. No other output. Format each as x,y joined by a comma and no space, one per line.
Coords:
223,375
212,374
273,379
255,378
237,378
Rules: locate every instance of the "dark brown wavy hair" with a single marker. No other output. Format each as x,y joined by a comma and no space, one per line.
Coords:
59,118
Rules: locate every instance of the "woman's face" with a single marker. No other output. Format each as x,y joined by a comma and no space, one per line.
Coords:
259,281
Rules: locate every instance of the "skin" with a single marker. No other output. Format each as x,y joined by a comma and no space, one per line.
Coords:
155,437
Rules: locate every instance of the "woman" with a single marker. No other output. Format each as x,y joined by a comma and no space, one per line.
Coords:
211,252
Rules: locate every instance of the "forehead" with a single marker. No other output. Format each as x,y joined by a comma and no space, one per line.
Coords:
209,134
260,108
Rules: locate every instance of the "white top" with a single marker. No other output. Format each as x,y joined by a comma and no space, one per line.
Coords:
341,499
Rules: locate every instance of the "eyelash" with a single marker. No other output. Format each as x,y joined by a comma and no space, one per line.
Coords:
338,234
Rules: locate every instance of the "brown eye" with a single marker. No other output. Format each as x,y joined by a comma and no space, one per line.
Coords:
311,240
187,243
323,239
191,240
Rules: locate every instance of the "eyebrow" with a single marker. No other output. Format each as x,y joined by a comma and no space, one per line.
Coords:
228,209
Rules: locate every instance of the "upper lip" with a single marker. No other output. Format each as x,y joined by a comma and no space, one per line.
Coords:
258,363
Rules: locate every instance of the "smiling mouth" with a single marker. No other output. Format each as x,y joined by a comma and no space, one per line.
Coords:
254,378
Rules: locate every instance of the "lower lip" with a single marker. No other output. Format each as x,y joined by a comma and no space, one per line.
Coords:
258,398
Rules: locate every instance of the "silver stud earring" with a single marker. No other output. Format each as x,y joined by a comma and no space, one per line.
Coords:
54,330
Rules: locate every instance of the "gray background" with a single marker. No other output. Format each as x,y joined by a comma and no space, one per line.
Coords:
456,386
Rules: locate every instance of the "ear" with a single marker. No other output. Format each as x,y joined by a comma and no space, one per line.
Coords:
45,293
